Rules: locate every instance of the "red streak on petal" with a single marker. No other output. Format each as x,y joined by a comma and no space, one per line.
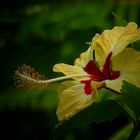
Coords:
115,75
87,86
106,67
95,73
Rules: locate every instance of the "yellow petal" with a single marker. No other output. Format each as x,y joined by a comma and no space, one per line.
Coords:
114,41
128,63
84,58
73,100
66,84
114,84
71,70
79,63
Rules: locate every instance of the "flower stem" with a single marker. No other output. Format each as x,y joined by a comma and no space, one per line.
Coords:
135,131
118,93
132,116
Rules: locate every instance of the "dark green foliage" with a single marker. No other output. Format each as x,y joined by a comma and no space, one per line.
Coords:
42,33
98,112
131,96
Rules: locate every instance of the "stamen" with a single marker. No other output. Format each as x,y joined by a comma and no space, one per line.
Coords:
67,77
27,77
22,80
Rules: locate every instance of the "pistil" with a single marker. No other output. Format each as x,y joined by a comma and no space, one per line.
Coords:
24,79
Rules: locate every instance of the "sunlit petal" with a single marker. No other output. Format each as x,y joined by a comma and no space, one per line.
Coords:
73,100
114,41
128,63
114,84
70,70
84,58
77,69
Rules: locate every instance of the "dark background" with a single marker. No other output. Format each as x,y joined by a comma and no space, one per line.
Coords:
41,33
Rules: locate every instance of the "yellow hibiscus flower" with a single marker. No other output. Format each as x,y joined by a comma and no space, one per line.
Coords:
113,63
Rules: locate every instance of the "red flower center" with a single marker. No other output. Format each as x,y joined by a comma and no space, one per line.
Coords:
99,75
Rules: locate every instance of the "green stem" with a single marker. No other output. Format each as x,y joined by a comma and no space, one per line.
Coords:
117,93
135,131
130,113
132,116
127,110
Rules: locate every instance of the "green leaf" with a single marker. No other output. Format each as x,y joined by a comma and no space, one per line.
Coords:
98,112
119,20
122,133
105,94
136,45
131,96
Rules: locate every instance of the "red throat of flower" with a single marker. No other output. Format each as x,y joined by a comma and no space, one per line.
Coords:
97,75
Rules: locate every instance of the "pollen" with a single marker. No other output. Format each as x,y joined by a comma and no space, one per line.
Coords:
26,76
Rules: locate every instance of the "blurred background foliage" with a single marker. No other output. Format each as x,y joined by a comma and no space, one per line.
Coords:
41,33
